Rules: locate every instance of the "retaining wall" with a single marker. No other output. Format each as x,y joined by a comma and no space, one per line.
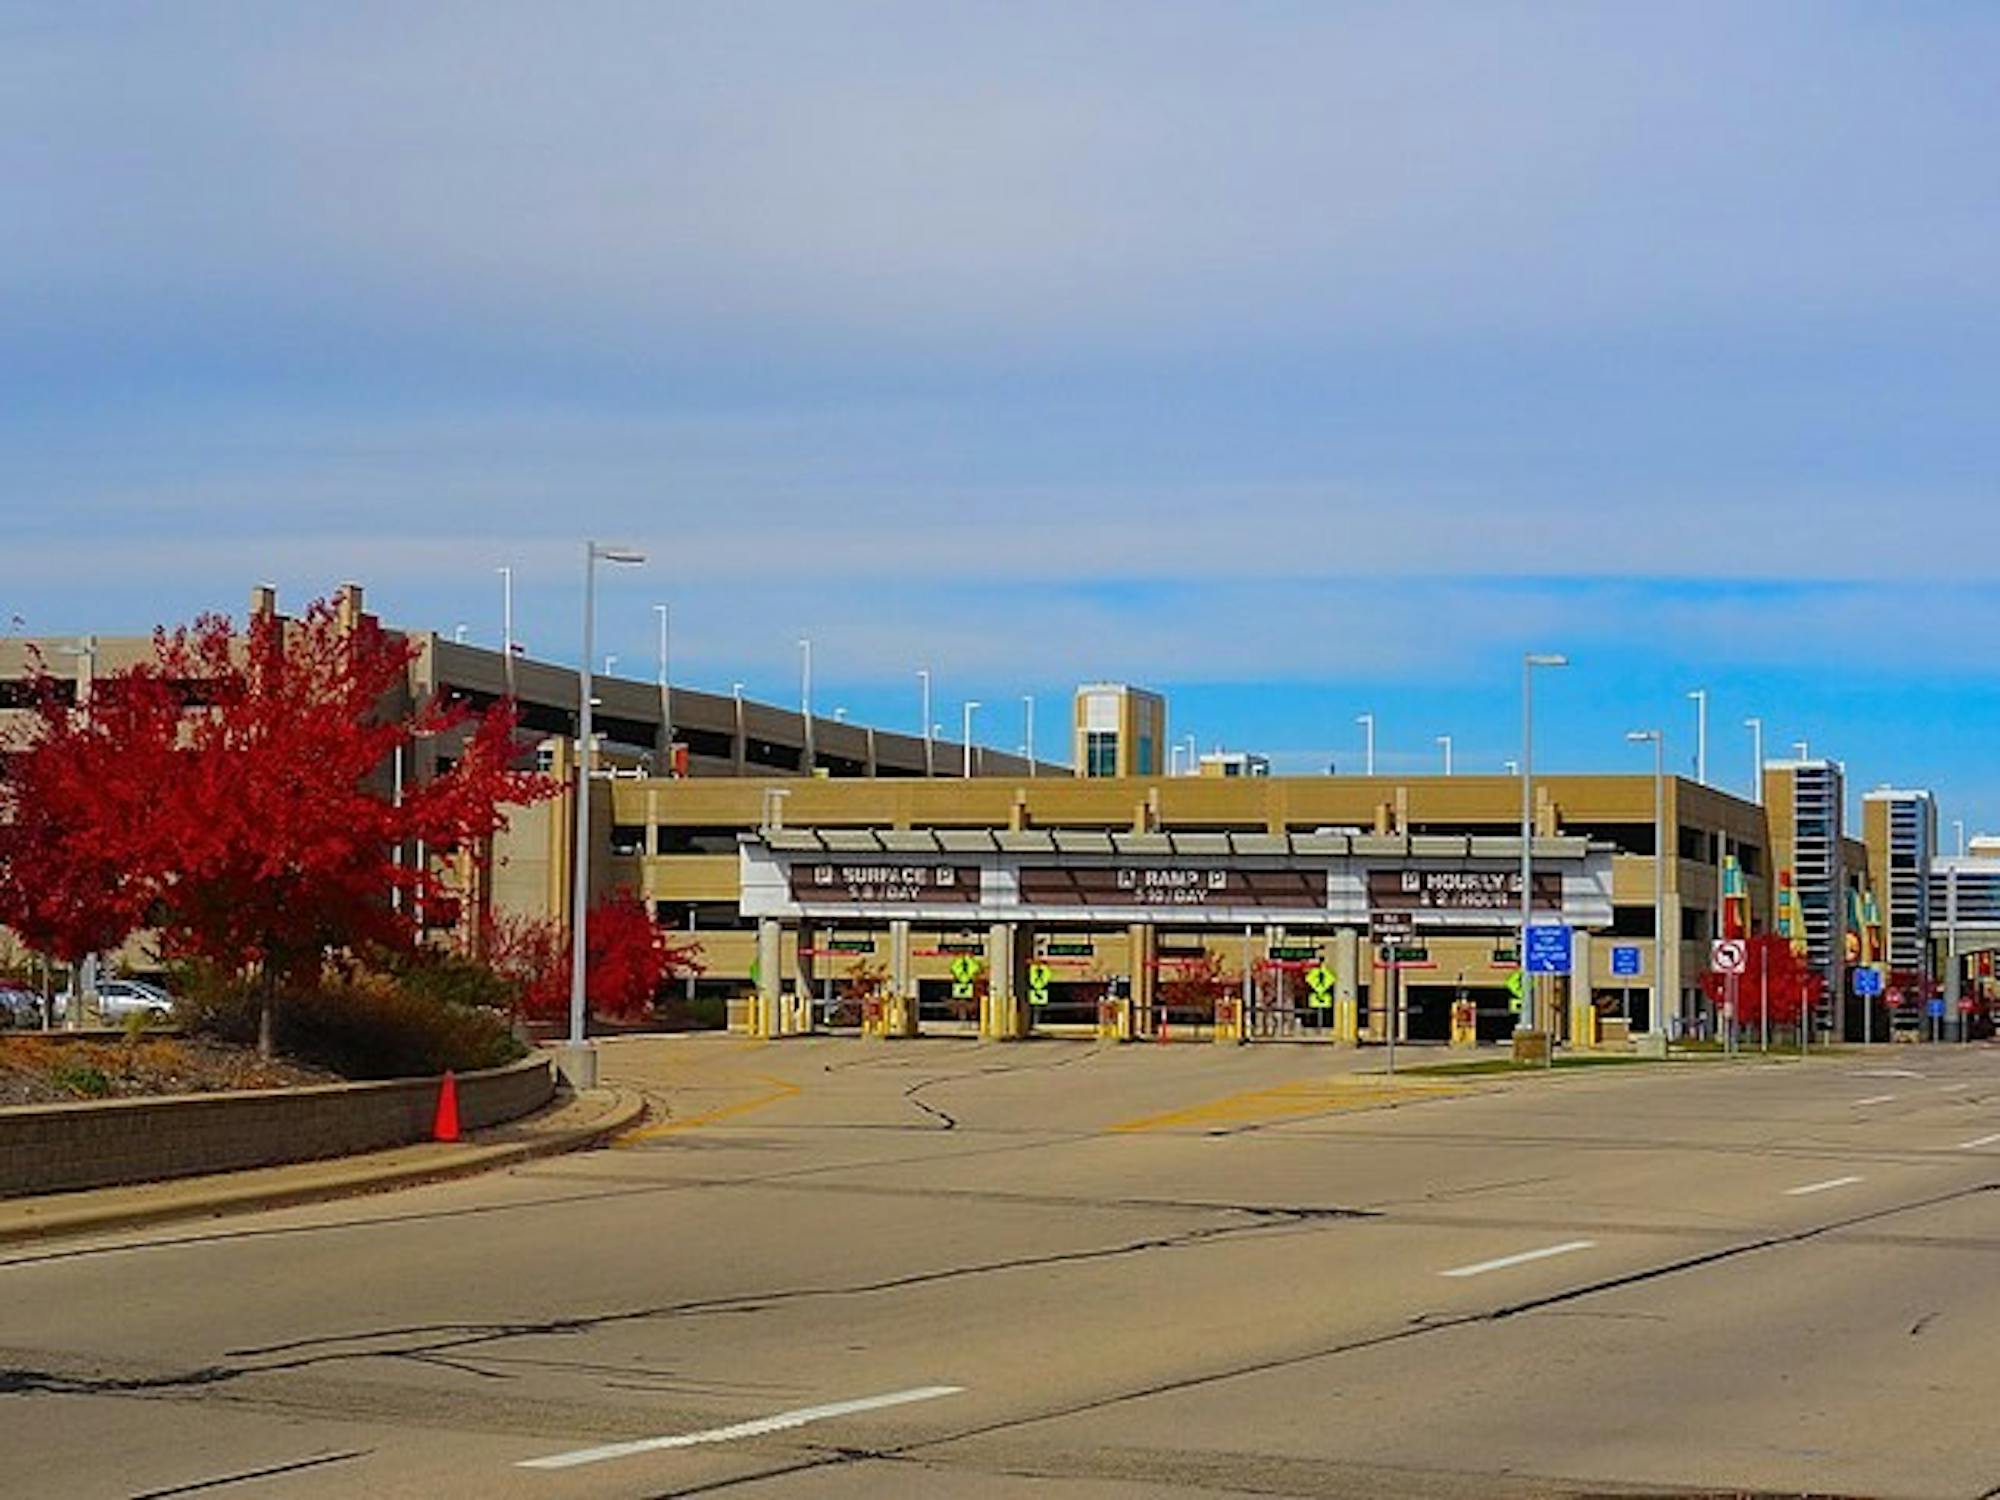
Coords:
52,1148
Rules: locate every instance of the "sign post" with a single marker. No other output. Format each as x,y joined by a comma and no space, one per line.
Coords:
1389,929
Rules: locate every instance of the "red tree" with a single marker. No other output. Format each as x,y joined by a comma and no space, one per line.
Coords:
1775,976
1191,986
82,846
255,829
627,957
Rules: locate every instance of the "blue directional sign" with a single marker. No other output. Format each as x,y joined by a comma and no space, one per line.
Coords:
1548,950
1625,962
1934,1007
1868,983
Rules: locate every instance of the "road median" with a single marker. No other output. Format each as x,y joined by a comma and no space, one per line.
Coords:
573,1122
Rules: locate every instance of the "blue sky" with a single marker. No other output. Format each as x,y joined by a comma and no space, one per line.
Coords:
1300,359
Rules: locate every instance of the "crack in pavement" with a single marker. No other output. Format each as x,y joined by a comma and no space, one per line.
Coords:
431,1344
1410,1332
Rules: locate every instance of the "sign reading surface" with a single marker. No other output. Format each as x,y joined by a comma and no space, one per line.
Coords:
844,882
1171,885
1459,890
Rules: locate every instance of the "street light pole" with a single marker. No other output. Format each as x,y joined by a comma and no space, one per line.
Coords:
507,627
1028,707
806,699
1445,740
1700,697
1529,662
665,612
970,705
577,1060
1657,1021
1367,723
1756,728
930,741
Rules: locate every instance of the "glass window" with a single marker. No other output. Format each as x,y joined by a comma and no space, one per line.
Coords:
1101,753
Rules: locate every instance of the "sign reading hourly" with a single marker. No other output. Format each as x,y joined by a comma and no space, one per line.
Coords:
1459,890
1166,885
872,883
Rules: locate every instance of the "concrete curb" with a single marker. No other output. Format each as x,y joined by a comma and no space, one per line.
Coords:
27,1220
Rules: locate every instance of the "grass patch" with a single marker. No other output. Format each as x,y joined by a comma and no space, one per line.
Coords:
1487,1065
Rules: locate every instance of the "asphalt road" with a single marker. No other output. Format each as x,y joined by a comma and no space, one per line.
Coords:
1054,1270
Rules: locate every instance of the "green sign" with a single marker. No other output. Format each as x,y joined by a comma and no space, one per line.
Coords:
1059,948
1039,976
1408,954
1514,989
852,945
961,945
1294,952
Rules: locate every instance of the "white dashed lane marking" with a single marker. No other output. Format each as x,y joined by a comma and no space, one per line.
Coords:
1480,1269
784,1421
1821,1187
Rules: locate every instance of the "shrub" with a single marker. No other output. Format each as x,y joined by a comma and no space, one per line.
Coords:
83,1079
364,1026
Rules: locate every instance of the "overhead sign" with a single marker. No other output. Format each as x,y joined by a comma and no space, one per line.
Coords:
1459,890
1625,962
1548,949
1171,885
883,883
1868,983
1729,956
1386,925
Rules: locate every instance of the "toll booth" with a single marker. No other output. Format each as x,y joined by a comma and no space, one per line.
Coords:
1014,933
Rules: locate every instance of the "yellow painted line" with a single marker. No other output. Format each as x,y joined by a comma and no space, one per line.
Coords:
1289,1101
780,1091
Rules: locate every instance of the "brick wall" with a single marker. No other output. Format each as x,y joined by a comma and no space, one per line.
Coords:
51,1148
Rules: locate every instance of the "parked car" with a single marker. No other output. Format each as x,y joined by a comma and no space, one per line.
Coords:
118,999
19,1008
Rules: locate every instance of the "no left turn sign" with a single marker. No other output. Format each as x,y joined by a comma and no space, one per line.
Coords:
1729,956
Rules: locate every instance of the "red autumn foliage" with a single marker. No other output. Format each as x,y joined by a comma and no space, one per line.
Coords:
627,957
254,829
1775,975
1189,988
81,841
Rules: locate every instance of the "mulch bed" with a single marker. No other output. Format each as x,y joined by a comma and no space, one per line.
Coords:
34,1070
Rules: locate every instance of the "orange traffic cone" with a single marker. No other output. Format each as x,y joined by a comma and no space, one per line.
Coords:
445,1128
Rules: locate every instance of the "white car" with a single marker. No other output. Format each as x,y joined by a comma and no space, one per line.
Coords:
118,999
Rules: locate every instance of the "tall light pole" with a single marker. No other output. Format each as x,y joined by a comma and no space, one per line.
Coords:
930,736
665,614
970,705
1756,728
1028,727
806,697
577,1061
1700,698
507,626
1445,741
1529,662
610,662
1657,1021
1367,723
1958,826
